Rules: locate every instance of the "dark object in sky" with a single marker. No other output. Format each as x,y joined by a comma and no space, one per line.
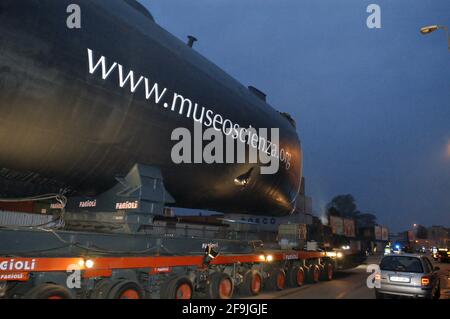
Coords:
64,128
191,41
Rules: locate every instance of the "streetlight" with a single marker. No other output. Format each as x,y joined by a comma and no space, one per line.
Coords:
431,28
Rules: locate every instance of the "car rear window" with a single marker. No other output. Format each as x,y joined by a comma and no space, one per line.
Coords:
402,264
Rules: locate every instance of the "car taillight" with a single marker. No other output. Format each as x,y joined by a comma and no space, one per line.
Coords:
425,281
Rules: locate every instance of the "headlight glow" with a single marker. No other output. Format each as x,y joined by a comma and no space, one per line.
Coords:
89,263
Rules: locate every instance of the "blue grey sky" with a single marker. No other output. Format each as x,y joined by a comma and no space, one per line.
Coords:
372,105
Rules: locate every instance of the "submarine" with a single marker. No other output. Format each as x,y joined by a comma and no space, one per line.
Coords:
81,106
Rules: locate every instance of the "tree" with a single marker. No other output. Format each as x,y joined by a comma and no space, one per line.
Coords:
367,220
344,204
333,212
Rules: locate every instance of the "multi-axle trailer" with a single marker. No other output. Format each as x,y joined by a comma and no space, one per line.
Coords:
153,276
120,245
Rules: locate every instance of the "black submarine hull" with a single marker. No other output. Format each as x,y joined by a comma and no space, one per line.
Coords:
62,127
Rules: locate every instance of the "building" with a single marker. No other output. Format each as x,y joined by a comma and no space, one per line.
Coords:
439,236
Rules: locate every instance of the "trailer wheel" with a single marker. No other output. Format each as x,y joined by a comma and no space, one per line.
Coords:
102,289
277,279
48,291
125,289
321,269
252,283
296,276
177,288
327,272
220,286
313,274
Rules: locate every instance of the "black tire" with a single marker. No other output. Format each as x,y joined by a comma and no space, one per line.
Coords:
220,286
48,291
313,274
277,279
327,272
252,283
101,289
177,288
296,276
126,289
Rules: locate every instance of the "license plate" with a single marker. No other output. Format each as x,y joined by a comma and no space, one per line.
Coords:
399,279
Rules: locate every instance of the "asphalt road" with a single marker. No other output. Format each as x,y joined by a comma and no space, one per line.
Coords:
349,284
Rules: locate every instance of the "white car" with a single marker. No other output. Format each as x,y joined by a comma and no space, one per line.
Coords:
409,275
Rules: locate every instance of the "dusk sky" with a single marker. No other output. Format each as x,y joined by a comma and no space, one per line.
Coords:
372,105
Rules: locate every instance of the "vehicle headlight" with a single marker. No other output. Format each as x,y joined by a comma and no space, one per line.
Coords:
89,263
